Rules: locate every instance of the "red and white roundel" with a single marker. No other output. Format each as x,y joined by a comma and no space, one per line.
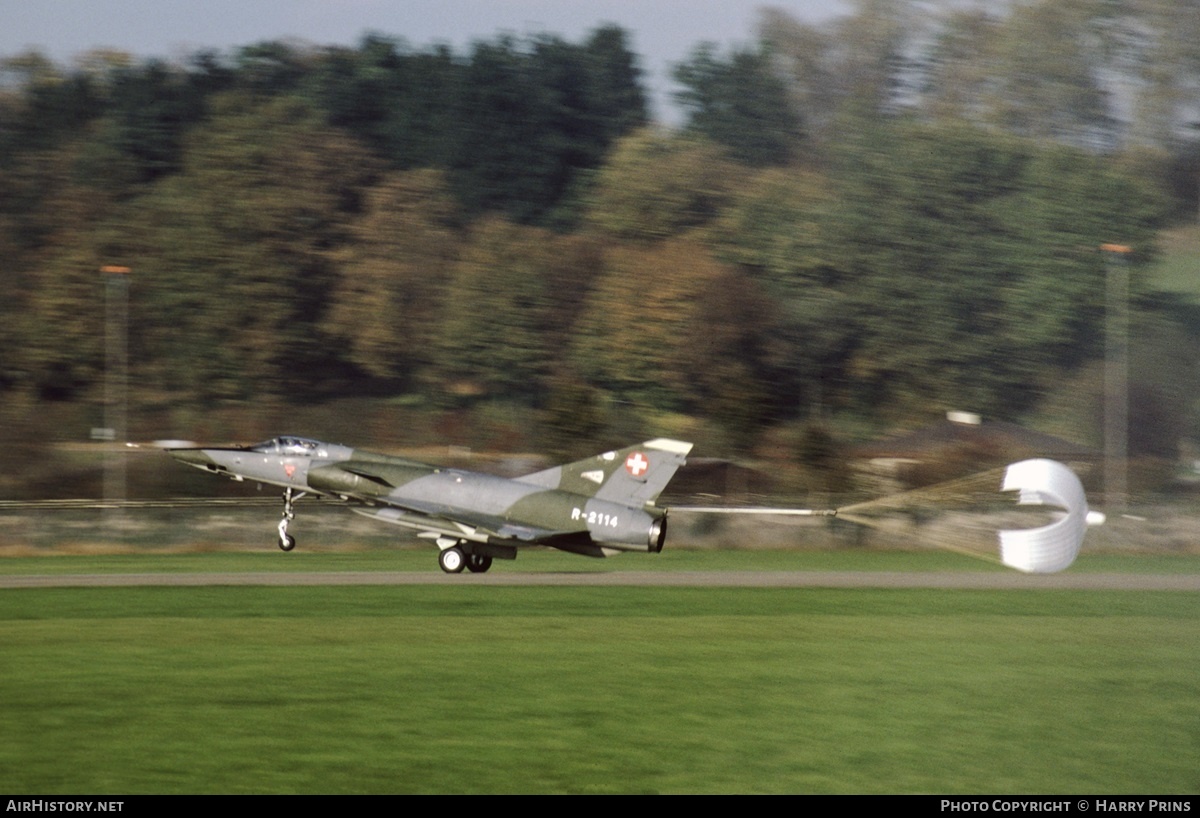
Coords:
637,464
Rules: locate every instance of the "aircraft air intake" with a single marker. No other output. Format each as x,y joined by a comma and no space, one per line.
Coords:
334,480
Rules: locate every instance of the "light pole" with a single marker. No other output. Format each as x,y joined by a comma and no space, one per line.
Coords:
116,376
1116,376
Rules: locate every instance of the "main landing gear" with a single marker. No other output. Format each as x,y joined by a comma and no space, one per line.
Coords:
286,541
453,560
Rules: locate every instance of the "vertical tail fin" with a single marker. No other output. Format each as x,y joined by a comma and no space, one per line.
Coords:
635,475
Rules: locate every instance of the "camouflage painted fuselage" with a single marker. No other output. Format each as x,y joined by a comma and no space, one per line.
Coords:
594,506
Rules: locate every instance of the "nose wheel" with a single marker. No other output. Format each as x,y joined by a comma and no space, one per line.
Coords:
286,541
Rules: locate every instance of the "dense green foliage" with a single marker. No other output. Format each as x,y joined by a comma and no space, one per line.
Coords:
504,227
741,104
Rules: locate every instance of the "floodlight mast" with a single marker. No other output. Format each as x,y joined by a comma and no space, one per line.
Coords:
1116,376
116,379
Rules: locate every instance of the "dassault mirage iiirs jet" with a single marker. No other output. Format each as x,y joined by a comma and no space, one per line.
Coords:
596,507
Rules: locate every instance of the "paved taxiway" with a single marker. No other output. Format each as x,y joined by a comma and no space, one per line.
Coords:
697,579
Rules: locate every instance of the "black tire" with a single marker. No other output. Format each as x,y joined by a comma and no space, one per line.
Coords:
478,563
287,542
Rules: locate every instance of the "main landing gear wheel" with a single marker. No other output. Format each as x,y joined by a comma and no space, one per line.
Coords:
478,563
452,560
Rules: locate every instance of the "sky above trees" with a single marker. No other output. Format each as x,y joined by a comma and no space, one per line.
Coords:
662,31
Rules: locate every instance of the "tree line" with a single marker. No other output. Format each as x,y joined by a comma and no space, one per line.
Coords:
508,225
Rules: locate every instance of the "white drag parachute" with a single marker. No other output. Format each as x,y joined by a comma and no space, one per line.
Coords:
1052,547
1039,482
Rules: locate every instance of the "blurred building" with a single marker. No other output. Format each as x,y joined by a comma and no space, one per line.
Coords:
958,445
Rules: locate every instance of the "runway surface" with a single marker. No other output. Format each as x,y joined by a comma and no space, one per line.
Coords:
694,579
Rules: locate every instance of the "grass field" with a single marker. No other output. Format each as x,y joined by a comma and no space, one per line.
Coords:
1178,270
422,558
578,690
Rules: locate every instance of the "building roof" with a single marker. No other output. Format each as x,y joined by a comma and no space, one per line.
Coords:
1007,439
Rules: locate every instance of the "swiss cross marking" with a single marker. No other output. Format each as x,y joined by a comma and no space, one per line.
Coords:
636,464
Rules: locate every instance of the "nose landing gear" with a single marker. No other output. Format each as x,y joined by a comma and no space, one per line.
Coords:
286,541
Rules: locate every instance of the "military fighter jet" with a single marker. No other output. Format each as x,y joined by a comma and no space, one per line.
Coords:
596,507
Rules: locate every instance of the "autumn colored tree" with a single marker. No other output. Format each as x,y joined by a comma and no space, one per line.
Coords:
668,327
493,336
503,225
658,185
385,308
235,252
52,238
775,230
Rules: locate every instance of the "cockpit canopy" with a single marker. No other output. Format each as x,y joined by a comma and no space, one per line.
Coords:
291,446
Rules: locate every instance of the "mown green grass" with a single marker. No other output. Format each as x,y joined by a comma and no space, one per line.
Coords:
423,559
1178,269
491,689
